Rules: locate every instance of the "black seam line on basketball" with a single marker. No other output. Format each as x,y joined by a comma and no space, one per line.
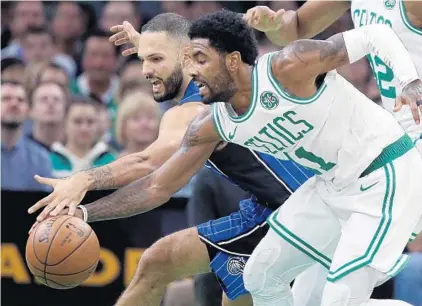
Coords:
66,274
67,256
49,247
60,284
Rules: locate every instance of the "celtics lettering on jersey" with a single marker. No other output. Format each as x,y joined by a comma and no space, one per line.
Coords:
383,74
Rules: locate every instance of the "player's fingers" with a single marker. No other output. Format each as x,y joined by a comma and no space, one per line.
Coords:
45,180
122,41
62,205
399,104
119,35
419,104
130,51
415,112
128,27
41,203
116,28
46,211
33,227
72,208
278,17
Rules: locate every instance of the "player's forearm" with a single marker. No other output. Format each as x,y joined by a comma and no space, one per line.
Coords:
311,19
383,42
136,198
118,173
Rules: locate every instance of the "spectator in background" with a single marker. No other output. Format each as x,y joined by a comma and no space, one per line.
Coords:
199,8
51,72
131,71
99,66
132,79
81,149
69,23
105,126
115,12
137,123
25,14
48,107
178,7
21,158
213,197
38,47
132,86
12,69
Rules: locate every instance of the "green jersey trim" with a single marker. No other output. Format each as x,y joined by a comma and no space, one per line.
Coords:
253,102
406,20
217,123
280,90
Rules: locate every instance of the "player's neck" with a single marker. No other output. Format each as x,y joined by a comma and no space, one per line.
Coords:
185,84
242,98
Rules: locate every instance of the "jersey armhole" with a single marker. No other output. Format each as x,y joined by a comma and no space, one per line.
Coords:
217,122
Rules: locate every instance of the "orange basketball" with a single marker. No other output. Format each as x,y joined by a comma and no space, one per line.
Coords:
62,252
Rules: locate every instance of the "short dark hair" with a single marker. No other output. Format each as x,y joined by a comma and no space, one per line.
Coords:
227,32
171,23
98,33
79,100
11,62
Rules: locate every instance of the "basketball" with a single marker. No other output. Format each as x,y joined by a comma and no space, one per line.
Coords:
62,252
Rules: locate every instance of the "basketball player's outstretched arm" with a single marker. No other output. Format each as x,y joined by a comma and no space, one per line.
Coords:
156,189
299,63
69,192
310,19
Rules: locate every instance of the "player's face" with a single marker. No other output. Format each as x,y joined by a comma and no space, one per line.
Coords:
161,65
209,71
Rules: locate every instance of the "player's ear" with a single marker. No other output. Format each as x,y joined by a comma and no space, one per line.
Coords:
233,61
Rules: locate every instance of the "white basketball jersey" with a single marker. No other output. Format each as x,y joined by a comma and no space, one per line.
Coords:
337,132
392,13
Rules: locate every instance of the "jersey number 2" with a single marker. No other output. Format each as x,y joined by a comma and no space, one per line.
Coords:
383,74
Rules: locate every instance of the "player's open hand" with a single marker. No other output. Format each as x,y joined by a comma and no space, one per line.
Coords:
125,34
264,19
78,214
412,96
67,193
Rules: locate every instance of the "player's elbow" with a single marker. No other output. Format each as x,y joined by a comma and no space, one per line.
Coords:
159,194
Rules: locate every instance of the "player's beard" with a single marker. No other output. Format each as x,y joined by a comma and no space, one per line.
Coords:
172,85
223,88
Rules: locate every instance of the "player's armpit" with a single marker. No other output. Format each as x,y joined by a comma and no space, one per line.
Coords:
155,189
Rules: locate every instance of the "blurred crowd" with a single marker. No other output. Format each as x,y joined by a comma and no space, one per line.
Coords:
70,101
70,97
